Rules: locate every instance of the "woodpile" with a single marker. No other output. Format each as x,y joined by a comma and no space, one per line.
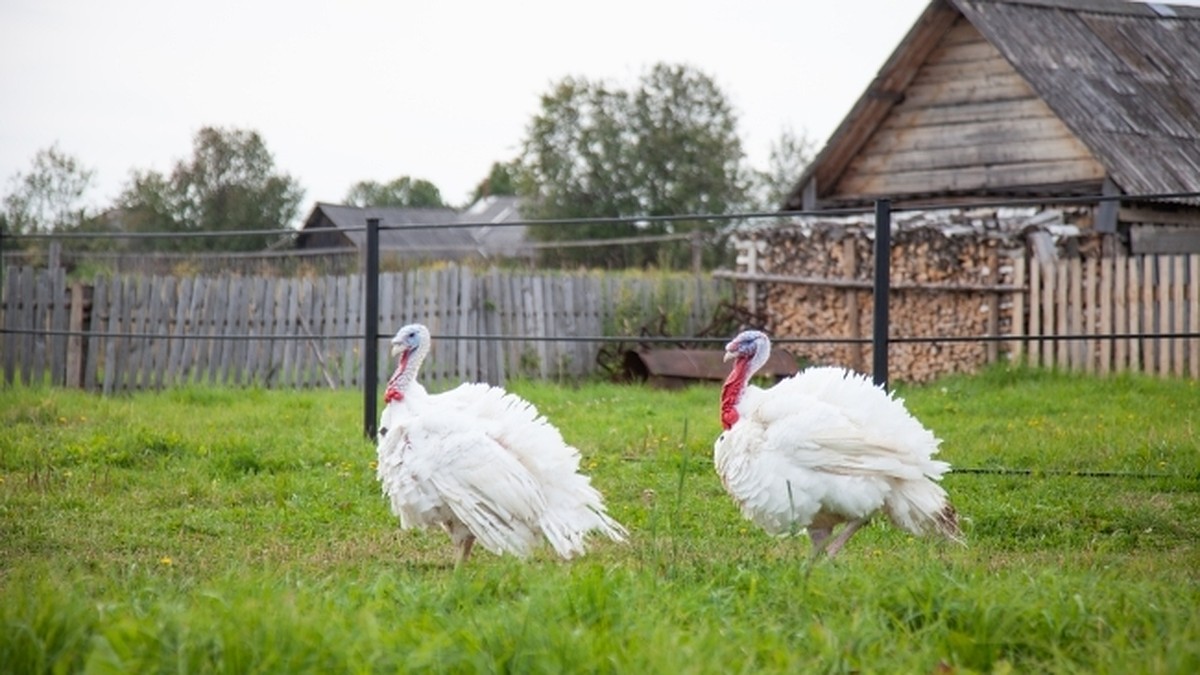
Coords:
950,278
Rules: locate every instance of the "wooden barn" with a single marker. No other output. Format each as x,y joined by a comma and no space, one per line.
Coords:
333,227
1031,98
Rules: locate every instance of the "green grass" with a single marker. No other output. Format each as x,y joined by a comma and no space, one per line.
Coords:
243,531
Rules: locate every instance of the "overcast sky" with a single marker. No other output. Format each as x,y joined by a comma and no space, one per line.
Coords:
373,90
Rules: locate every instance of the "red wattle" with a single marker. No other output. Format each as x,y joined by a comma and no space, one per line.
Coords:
731,392
393,393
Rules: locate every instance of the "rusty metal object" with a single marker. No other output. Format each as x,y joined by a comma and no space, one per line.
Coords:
675,368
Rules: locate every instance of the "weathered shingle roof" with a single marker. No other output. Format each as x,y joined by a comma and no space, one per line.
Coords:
493,210
351,219
1123,77
484,238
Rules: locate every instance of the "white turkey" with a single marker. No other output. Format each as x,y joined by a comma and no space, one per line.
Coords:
822,448
482,464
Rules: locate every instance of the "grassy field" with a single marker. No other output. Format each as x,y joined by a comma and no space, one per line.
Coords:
243,532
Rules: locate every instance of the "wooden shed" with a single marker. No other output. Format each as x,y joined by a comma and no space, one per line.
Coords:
1031,98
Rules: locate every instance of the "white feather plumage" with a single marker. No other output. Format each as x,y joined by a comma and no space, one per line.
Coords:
482,464
827,447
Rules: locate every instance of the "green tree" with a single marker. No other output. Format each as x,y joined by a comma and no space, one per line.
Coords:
150,203
501,181
669,146
403,191
790,155
50,197
230,184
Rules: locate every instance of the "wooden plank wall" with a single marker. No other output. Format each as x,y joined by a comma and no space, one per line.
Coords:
967,121
151,332
1138,298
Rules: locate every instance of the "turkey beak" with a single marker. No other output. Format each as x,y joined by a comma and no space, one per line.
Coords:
397,349
729,356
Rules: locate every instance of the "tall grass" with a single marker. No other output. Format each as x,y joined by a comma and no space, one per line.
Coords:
208,530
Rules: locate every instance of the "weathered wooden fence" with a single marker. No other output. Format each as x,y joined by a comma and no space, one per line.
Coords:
1143,297
148,332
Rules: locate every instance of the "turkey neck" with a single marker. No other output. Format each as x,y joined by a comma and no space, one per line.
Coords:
406,372
731,391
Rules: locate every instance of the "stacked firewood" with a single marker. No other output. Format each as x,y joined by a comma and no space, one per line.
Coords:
944,284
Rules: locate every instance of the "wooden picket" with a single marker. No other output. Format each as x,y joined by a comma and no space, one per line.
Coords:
1126,308
40,303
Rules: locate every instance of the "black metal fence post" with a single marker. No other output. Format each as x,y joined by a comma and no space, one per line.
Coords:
883,264
371,330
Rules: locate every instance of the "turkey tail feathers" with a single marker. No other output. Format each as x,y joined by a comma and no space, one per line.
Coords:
946,523
570,538
922,508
